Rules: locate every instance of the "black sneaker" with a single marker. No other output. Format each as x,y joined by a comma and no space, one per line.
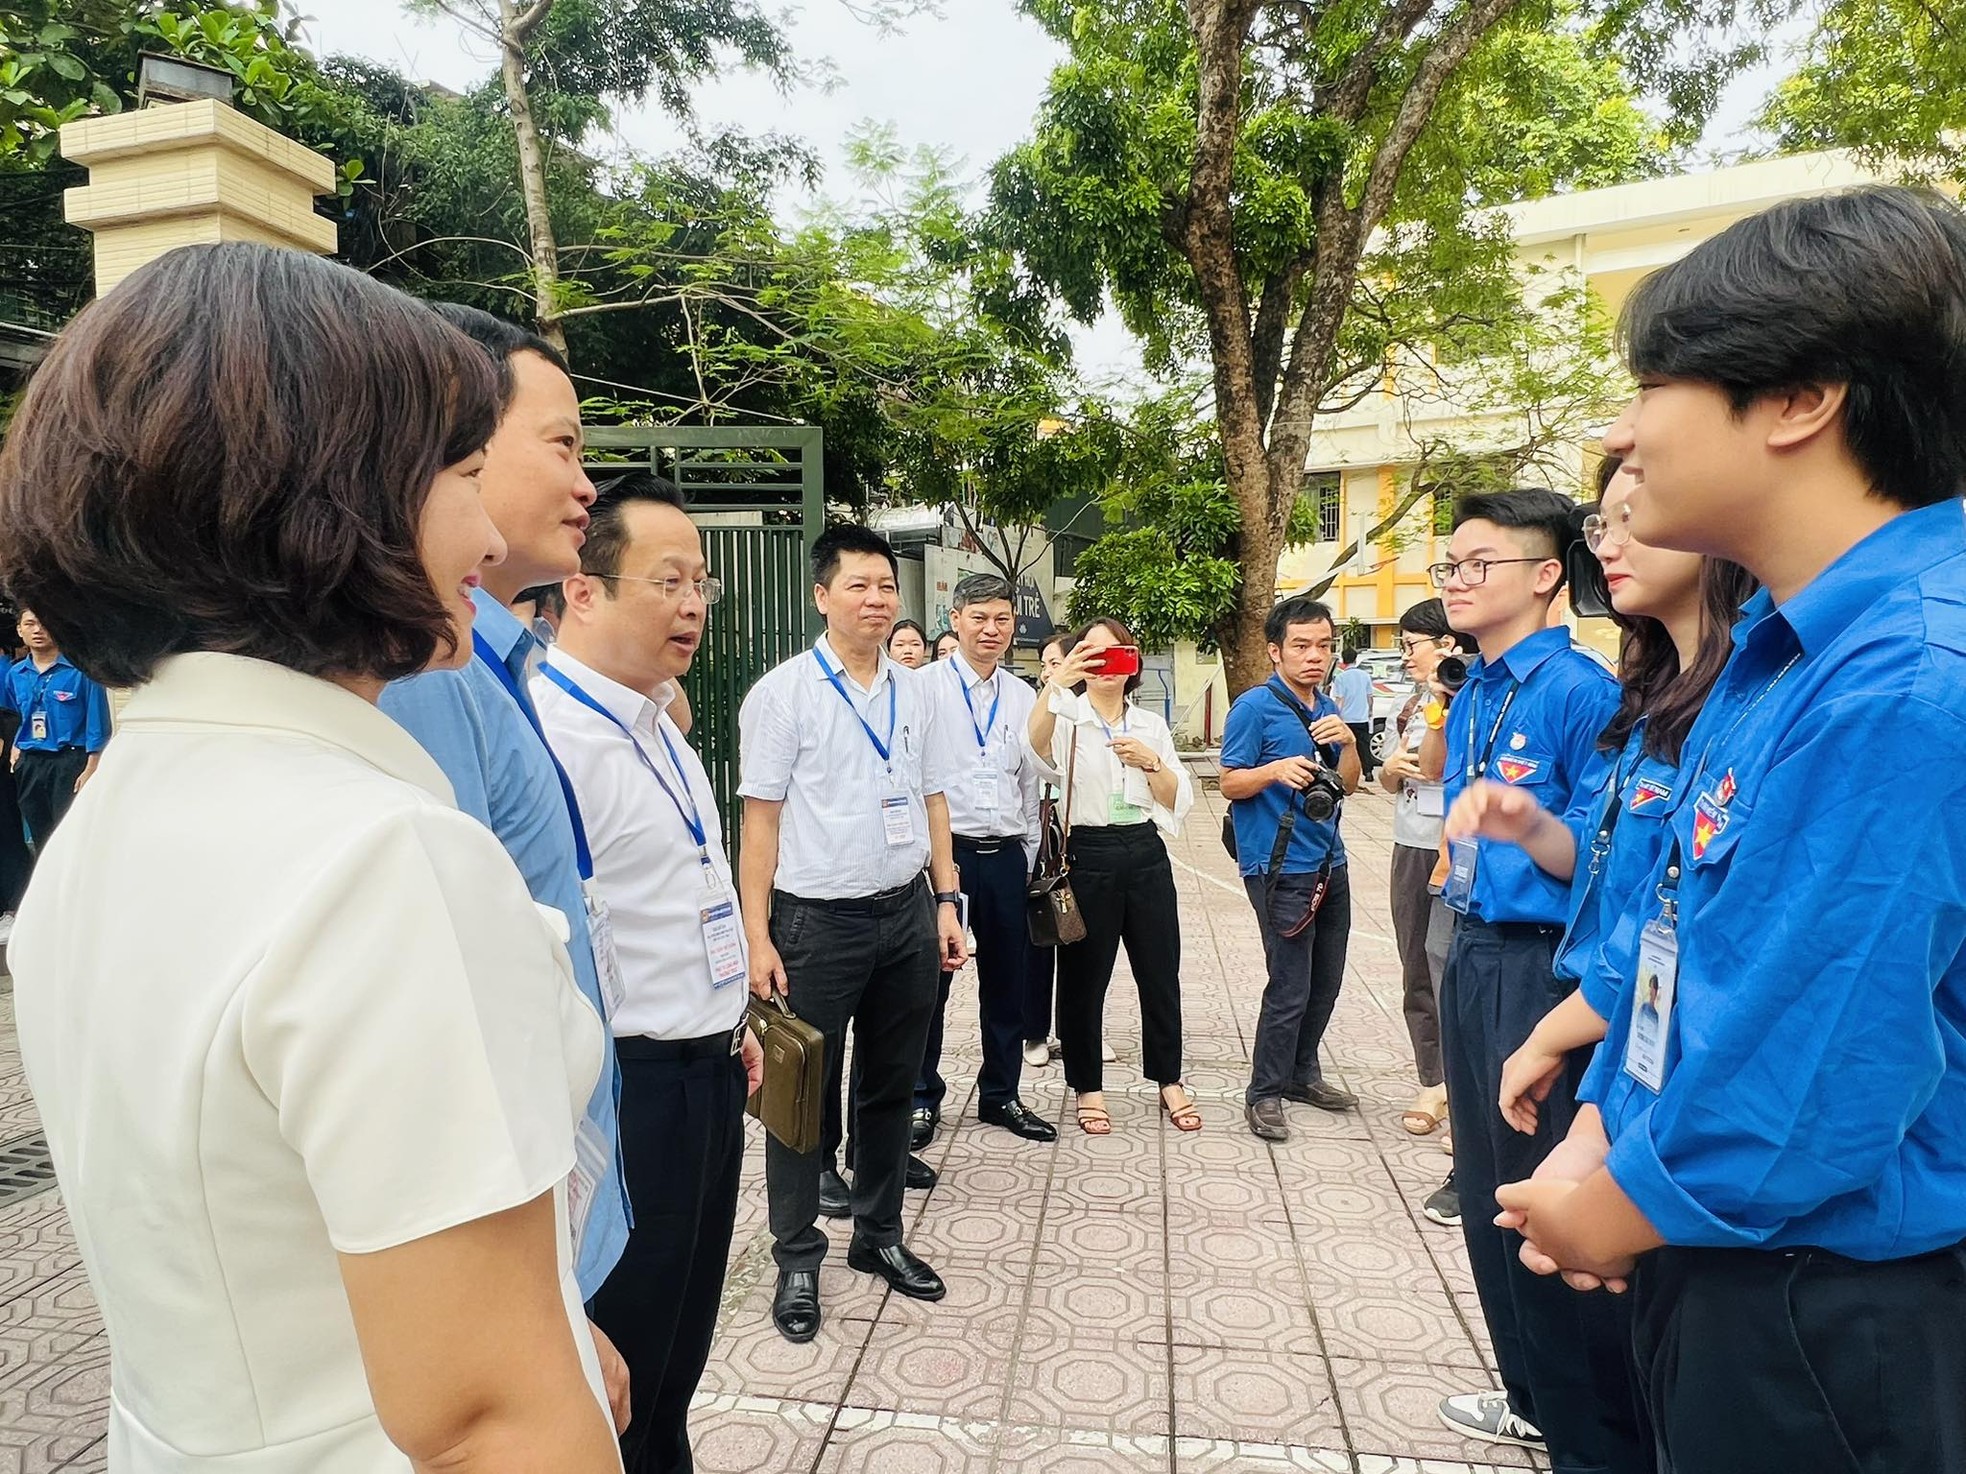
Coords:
1443,1205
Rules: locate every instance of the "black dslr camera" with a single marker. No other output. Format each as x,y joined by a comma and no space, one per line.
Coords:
1323,795
1452,673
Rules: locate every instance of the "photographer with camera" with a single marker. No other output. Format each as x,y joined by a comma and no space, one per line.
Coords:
1288,760
1436,662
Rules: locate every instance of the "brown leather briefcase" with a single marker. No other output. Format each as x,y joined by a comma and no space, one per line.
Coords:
790,1099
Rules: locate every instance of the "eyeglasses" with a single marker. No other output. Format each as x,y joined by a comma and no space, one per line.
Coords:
1615,530
1473,572
1413,644
709,590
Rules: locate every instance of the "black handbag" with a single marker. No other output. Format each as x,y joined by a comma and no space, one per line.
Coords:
1051,910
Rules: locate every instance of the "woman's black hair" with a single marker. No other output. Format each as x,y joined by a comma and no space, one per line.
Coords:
1121,635
906,624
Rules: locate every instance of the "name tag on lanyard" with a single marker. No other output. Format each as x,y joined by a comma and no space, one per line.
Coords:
592,1162
1652,1003
897,820
37,726
607,961
984,780
984,790
723,938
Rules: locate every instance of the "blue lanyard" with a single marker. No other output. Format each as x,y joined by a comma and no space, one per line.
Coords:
1126,720
583,857
692,816
1474,719
885,749
996,701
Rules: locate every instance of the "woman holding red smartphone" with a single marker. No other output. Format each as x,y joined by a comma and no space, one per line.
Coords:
1123,785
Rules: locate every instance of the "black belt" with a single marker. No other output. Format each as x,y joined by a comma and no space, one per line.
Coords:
50,751
709,1046
1515,929
881,903
989,845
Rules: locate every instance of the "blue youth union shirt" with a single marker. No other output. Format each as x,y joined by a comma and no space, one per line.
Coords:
1545,741
1262,728
76,708
502,776
1352,687
1815,1087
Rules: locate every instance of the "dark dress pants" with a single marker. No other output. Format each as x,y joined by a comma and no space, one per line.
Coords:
682,1147
1765,1362
44,784
1412,904
1362,734
994,878
1305,974
1125,890
1564,1357
873,963
1040,976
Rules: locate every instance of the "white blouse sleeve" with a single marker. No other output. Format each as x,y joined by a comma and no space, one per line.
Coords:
1169,819
417,1031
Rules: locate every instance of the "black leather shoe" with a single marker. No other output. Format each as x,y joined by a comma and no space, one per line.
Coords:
835,1197
898,1267
921,1176
1324,1097
795,1307
923,1130
1018,1121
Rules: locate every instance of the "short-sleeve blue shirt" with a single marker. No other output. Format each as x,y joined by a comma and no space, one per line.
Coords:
75,708
1264,726
1543,740
1815,1086
502,774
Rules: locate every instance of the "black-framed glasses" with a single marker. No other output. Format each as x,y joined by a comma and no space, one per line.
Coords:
1612,531
709,590
1414,644
1473,572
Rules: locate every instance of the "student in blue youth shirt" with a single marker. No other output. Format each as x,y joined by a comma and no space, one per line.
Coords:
64,726
1351,688
479,724
1781,1170
1529,716
1280,739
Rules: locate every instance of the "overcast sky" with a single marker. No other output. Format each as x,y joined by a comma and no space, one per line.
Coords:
968,82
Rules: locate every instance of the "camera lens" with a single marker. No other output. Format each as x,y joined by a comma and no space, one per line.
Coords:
1319,805
1452,672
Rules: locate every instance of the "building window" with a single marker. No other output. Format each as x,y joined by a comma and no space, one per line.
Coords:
1324,491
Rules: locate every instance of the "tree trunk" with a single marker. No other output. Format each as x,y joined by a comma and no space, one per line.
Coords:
1245,653
532,169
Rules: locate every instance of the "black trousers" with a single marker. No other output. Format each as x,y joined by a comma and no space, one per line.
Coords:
994,878
1125,890
1305,973
682,1145
1040,976
873,963
1564,1357
44,783
1419,975
1764,1362
1362,731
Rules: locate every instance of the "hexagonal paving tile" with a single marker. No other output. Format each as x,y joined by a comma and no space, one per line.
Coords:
1254,1397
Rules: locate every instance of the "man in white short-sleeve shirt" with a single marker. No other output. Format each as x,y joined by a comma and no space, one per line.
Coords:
634,617
843,810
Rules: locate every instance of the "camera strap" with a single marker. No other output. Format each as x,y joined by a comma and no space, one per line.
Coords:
1287,826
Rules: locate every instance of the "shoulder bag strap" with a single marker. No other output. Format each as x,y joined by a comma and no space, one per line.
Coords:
1071,773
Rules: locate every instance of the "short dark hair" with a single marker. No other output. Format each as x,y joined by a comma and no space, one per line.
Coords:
1546,515
500,340
1864,287
1297,609
548,598
982,588
607,523
1121,635
907,624
231,452
848,537
1429,618
1349,654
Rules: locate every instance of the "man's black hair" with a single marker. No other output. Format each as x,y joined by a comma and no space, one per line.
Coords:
607,523
1429,618
848,537
982,588
500,340
1548,517
1297,609
1349,655
1865,288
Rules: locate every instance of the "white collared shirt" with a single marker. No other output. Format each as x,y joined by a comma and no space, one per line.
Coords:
646,862
1105,790
802,743
998,764
327,1017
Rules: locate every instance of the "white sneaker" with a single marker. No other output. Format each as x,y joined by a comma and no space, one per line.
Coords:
1486,1415
1106,1052
1037,1054
6,928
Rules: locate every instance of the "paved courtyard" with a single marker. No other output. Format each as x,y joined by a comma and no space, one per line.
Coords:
1200,1304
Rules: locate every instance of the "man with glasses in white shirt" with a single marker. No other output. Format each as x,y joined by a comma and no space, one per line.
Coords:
633,621
844,808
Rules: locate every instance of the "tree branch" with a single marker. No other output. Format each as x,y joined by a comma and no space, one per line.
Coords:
526,22
1272,319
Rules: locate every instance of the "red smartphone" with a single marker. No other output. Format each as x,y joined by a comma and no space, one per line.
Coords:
1117,660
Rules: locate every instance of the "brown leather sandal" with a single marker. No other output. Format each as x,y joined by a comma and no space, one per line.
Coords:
1186,1117
1095,1120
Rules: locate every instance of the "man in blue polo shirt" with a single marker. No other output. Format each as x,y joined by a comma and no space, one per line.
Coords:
480,726
1783,1139
1530,715
1288,757
64,725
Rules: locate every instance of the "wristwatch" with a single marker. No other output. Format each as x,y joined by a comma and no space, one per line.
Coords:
948,898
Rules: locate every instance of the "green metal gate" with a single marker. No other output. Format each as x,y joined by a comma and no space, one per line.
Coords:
758,495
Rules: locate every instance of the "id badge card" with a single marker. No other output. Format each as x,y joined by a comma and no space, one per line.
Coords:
1458,893
592,1161
723,939
1433,800
607,962
983,790
897,821
37,726
1119,811
1651,1026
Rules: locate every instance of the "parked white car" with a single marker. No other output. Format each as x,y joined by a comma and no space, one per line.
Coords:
1390,690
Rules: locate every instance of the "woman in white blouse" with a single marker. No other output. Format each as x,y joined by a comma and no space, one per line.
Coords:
308,1057
1123,786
